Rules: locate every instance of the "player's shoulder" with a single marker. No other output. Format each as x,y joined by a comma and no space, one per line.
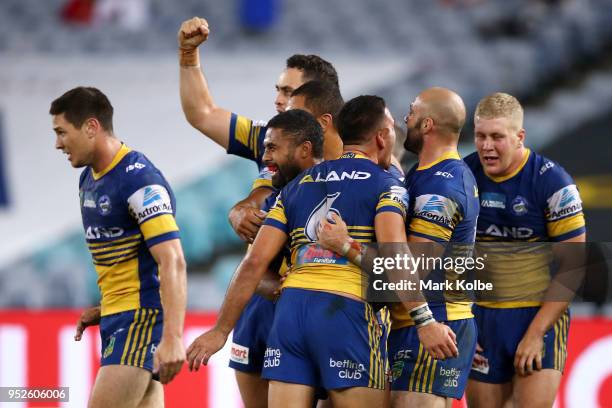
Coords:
473,161
84,174
449,178
549,171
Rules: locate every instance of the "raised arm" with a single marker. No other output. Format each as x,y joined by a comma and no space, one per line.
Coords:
197,102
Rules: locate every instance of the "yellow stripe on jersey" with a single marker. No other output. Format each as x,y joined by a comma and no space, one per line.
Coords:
126,252
413,376
120,286
149,334
101,251
137,336
277,213
128,340
242,131
421,226
142,345
388,202
118,242
557,228
157,226
376,373
261,182
336,278
509,305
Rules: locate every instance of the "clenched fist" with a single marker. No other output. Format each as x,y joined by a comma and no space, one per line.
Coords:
192,33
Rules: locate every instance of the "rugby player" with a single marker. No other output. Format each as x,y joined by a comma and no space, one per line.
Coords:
324,334
290,150
443,209
245,138
235,133
324,103
525,197
127,208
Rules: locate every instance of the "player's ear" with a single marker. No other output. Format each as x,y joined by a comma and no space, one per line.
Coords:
306,150
91,127
521,137
325,121
427,125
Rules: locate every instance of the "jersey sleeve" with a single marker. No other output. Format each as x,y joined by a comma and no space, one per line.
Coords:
562,203
435,215
264,179
277,217
246,138
150,202
393,196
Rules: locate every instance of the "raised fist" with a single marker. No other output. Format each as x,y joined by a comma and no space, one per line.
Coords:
192,33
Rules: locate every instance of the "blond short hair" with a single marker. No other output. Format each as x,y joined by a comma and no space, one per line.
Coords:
500,105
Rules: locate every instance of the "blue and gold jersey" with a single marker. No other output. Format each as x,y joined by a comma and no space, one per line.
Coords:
443,208
246,139
538,202
127,208
353,187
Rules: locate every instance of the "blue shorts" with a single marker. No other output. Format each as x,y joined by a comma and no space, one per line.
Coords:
325,341
251,334
413,369
499,334
131,337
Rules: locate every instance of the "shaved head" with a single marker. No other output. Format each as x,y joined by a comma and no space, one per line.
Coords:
445,107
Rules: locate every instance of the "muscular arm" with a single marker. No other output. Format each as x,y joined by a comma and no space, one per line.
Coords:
198,105
530,348
246,217
267,245
170,353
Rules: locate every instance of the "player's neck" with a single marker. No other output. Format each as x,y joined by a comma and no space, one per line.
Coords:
106,150
430,154
362,150
332,145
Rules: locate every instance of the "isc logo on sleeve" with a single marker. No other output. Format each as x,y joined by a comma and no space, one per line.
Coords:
150,201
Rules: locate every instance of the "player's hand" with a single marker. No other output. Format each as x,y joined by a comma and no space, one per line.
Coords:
439,340
169,358
89,317
332,235
479,359
269,288
204,347
528,356
192,33
246,221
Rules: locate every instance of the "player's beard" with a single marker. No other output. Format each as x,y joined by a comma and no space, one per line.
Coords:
285,174
414,139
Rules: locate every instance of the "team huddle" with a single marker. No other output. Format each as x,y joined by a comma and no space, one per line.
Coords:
329,187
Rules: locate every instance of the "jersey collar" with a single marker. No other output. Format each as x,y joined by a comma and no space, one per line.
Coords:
515,172
120,155
353,154
446,156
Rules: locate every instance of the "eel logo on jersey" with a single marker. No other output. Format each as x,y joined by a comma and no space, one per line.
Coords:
104,205
320,211
109,349
519,206
493,200
150,201
564,202
434,207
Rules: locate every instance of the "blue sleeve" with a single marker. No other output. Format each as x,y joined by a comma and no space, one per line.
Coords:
246,138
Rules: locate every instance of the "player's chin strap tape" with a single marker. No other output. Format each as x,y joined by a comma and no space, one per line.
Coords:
422,315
